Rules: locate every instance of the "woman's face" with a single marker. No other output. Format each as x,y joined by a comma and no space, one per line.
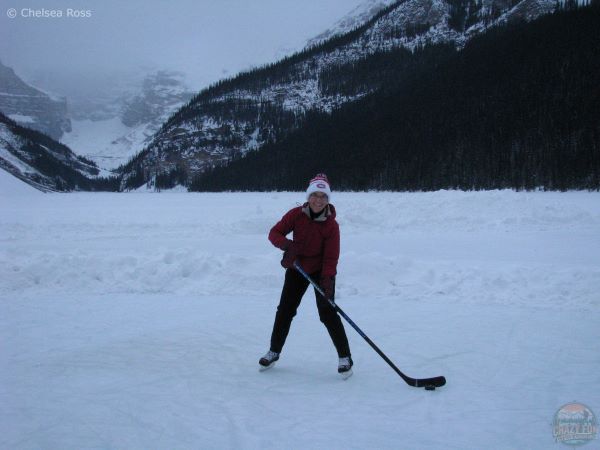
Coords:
317,201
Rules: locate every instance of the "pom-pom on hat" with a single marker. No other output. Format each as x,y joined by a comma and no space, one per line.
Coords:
320,183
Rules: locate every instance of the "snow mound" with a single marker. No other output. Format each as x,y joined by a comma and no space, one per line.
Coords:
11,186
537,249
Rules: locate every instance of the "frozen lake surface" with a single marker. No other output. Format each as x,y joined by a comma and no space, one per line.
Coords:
136,321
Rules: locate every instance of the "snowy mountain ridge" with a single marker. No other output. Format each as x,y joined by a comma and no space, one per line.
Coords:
44,163
352,20
32,107
246,112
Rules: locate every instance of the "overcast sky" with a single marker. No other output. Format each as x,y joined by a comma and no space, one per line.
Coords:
205,39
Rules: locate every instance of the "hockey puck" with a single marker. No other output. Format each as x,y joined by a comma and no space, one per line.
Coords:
430,388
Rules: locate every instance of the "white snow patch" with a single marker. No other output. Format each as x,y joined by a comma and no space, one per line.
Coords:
11,186
107,142
21,118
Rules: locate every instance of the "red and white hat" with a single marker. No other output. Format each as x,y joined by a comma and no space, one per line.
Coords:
320,183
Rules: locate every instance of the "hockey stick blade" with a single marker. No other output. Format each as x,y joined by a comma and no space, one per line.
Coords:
425,382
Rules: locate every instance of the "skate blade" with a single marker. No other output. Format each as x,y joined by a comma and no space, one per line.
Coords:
263,368
346,375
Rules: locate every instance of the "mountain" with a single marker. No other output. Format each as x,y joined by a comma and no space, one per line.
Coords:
262,106
354,19
31,107
517,107
161,90
44,163
110,129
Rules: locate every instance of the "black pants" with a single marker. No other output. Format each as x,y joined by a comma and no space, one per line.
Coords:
293,289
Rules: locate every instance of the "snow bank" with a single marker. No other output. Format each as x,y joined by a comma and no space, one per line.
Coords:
498,247
12,186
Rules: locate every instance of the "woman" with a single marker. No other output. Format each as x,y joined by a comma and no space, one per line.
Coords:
316,247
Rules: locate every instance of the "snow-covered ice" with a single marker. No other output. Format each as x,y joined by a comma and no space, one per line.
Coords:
136,321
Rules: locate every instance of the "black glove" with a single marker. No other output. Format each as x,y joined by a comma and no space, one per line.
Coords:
327,285
289,255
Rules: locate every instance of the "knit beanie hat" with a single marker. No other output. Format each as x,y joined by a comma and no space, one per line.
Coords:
320,183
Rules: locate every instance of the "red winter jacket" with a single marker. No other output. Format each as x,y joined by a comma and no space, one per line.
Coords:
318,239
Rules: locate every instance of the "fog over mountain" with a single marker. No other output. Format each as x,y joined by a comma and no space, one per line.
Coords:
120,42
106,60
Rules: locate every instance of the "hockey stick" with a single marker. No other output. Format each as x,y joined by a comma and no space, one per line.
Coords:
427,383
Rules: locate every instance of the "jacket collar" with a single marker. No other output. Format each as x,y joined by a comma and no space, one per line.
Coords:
329,211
